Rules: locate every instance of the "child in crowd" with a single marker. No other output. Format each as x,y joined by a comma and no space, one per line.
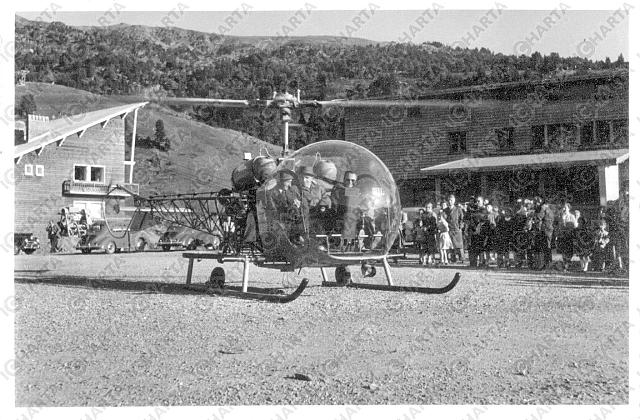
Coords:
419,237
601,247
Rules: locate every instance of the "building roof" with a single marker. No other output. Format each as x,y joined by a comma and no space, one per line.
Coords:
568,79
425,103
479,164
63,127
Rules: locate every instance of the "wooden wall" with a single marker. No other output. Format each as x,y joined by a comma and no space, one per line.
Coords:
39,199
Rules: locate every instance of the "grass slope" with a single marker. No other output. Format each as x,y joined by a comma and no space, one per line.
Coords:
201,157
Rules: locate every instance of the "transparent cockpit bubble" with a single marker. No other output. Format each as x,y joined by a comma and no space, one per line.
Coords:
335,189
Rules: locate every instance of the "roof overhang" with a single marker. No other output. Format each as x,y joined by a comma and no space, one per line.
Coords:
64,127
531,161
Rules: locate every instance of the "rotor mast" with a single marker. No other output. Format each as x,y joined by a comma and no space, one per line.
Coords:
285,101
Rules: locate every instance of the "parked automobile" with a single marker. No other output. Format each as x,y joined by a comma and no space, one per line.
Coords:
25,242
182,237
142,233
412,215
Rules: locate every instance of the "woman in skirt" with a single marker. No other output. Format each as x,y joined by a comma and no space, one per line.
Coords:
445,241
583,245
567,235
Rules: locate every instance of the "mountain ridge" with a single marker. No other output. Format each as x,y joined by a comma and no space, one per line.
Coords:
254,40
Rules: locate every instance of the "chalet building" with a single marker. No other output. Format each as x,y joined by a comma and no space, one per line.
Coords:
562,139
71,162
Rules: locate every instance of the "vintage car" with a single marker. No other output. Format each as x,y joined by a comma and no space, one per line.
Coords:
407,232
25,242
142,233
182,237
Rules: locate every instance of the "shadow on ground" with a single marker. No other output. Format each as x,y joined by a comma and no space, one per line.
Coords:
146,287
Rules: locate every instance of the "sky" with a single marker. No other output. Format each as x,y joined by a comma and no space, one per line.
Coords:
594,34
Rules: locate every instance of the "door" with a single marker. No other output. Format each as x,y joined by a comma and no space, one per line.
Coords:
92,208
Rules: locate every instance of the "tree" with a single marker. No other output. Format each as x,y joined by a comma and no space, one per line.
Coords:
160,139
27,105
383,85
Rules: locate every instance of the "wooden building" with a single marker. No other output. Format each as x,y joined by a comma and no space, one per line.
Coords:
564,139
70,162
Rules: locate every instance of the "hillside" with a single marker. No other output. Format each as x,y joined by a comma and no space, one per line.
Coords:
126,59
201,157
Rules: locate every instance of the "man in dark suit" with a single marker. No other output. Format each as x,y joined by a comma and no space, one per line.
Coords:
475,222
455,219
286,203
545,218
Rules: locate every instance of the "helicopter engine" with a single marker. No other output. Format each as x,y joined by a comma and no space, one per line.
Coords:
252,173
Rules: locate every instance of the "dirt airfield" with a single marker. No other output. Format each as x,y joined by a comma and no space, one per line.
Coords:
121,330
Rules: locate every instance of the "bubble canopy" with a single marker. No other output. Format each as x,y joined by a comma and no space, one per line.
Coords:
346,198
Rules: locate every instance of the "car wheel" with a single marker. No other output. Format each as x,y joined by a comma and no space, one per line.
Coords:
141,244
343,275
110,248
86,251
191,244
217,277
166,248
29,251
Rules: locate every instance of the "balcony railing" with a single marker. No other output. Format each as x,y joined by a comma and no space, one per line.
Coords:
71,187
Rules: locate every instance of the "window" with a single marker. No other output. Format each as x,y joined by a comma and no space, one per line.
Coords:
28,170
86,173
602,132
80,173
39,170
586,134
561,136
457,142
620,133
413,111
537,137
97,174
504,137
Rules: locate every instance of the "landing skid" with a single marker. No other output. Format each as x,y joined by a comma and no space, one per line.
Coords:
267,297
343,279
216,283
426,290
252,294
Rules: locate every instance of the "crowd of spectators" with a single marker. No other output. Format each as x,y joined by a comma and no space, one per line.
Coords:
524,235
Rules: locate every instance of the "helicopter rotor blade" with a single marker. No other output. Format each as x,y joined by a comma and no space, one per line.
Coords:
170,100
221,103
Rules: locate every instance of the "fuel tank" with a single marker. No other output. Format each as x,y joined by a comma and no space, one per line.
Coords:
251,173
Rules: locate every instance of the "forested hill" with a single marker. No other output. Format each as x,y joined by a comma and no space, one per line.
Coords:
125,59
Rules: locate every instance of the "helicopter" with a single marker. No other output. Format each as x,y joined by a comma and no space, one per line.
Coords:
330,204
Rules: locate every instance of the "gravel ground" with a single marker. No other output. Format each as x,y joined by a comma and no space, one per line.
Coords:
95,330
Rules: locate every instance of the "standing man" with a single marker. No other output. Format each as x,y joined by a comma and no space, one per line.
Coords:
345,199
229,232
545,217
476,219
53,233
455,219
520,234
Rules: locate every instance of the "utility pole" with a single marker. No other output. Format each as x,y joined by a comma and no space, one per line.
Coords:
23,77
